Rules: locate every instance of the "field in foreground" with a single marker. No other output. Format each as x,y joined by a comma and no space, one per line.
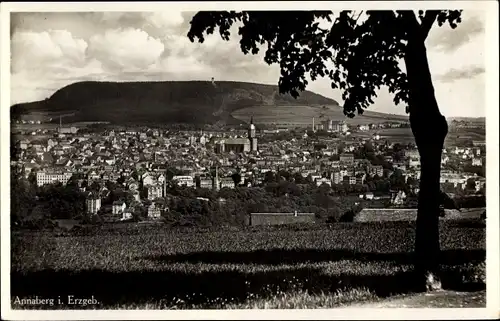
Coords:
302,267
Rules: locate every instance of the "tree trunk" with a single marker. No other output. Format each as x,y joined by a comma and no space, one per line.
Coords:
430,129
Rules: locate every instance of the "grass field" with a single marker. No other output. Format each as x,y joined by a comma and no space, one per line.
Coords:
303,115
405,135
293,267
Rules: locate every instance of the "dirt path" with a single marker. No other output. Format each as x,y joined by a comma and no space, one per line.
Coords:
442,299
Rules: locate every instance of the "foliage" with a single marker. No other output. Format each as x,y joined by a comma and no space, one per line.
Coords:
358,56
23,195
62,202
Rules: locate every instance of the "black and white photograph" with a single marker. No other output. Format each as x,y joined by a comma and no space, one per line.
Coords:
222,156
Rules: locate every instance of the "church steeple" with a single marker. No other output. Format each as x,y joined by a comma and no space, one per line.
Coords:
252,136
215,182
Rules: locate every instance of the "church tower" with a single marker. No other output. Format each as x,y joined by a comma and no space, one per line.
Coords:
251,136
215,182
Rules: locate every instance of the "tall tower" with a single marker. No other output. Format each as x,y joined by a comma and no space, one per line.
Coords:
215,182
314,129
165,186
251,136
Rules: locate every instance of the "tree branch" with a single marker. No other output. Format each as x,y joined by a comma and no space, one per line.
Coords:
411,23
359,15
427,21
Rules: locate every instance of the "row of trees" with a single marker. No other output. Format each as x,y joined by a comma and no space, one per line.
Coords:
31,205
232,206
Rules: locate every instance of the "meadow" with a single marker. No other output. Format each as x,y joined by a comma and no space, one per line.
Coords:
150,266
303,115
457,137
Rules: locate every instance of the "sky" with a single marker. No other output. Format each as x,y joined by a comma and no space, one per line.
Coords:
52,50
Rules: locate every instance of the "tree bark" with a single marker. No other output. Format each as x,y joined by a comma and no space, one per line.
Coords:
429,128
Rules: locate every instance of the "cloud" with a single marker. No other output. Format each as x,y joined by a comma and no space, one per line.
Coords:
52,50
125,49
35,50
464,73
448,40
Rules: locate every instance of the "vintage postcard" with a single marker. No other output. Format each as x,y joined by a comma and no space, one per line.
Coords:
275,160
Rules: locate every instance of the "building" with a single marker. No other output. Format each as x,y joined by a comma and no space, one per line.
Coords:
67,130
398,198
476,161
360,179
147,179
377,170
215,181
154,192
477,143
52,176
333,126
414,162
413,153
118,207
337,177
240,144
455,179
280,218
154,211
205,183
351,180
479,183
323,180
340,127
227,182
251,136
237,145
184,180
126,216
347,158
93,204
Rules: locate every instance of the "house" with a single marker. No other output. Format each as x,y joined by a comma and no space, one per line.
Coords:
185,180
93,204
377,170
479,183
398,198
336,177
369,196
154,211
414,162
227,182
133,185
154,192
126,216
347,158
323,180
118,207
351,180
51,176
205,183
360,179
147,179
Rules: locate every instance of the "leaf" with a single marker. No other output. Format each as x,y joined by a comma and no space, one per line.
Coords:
364,53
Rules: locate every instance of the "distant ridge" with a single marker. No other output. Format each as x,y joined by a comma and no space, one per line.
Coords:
166,102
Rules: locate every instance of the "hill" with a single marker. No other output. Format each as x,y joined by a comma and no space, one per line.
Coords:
195,102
